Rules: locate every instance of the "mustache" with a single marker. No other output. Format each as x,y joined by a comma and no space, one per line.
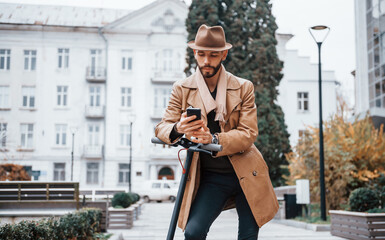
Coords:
207,66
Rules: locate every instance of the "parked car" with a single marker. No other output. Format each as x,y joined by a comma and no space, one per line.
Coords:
159,190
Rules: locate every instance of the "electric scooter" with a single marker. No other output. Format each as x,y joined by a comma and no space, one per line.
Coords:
191,148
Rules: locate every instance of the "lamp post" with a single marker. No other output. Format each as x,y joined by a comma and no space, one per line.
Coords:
73,131
319,34
131,118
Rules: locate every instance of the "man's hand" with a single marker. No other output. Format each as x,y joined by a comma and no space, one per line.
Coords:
185,126
203,135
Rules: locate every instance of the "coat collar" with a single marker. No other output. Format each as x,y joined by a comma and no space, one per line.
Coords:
194,99
232,82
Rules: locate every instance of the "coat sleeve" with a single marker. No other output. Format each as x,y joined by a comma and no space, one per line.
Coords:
171,116
241,138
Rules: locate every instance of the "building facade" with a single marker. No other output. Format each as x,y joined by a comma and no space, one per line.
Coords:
370,65
298,90
91,82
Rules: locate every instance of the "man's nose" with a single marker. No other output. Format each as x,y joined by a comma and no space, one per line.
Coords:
206,61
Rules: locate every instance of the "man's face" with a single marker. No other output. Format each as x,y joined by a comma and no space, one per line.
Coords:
209,62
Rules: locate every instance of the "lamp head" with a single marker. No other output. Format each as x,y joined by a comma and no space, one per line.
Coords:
319,33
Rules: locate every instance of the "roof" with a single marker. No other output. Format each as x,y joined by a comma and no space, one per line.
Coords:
58,15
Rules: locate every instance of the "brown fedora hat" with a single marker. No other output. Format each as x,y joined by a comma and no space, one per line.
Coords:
210,38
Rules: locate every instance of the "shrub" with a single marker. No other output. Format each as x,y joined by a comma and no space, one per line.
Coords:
376,210
82,224
363,199
122,199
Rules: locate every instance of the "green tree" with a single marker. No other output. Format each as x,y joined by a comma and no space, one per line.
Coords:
250,28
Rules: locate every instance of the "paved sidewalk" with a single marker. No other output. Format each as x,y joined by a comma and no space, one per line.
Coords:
154,221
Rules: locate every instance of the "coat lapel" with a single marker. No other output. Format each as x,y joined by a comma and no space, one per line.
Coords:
232,95
194,99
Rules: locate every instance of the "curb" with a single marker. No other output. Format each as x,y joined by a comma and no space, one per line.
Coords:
303,225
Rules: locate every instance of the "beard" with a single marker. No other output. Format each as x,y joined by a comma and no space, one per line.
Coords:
215,70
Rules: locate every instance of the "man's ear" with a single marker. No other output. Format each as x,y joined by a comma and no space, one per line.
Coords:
195,53
225,52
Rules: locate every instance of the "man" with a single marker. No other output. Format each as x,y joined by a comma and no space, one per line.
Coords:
235,177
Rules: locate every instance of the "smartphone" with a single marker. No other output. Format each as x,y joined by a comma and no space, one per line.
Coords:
194,111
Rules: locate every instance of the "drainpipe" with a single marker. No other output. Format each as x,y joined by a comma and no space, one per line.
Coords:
105,105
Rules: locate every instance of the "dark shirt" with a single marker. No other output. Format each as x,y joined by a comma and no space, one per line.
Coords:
208,163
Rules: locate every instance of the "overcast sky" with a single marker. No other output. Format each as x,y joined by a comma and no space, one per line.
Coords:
292,16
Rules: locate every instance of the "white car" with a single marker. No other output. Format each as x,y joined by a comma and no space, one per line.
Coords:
159,190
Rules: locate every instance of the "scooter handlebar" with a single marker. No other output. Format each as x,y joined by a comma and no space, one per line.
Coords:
209,147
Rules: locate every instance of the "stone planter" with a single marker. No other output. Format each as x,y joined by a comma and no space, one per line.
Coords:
357,225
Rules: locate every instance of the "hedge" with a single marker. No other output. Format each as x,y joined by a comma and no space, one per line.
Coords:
80,225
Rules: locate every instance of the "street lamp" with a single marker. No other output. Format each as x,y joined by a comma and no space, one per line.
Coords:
319,34
131,119
73,131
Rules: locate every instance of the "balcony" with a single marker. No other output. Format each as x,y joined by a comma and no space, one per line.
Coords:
95,111
93,151
96,74
160,76
157,113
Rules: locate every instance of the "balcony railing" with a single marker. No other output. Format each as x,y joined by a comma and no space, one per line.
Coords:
93,151
161,76
95,111
96,74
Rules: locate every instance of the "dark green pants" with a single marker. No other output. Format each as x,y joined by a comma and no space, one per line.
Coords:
213,192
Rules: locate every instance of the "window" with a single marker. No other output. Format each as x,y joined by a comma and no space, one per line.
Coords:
30,60
161,97
156,185
26,135
303,101
4,96
126,97
95,96
60,134
28,94
62,96
5,59
59,172
63,58
125,135
96,69
126,60
167,60
3,134
124,173
93,134
92,173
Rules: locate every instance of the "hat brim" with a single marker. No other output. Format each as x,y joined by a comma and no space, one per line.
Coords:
192,45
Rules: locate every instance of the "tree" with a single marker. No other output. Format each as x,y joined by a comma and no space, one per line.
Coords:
250,28
354,157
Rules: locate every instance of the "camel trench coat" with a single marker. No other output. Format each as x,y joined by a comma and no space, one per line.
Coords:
237,139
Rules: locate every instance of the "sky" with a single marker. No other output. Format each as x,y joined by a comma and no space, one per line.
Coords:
292,16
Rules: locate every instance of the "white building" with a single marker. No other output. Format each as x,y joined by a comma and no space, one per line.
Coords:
298,90
370,65
55,76
56,82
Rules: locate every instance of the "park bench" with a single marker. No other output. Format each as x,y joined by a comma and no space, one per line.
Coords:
33,200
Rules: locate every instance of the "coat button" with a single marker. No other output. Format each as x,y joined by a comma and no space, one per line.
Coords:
254,173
